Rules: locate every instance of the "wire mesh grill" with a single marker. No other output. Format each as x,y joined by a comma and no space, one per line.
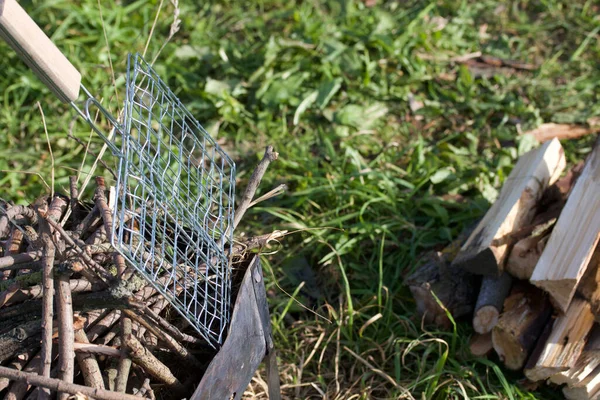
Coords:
175,202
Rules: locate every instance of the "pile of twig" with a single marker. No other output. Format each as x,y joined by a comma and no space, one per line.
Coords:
76,319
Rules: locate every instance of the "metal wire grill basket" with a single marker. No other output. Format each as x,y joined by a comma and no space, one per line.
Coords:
175,202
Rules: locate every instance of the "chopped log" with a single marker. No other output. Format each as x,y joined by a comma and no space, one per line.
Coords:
60,386
489,302
549,131
487,248
586,363
589,286
481,345
565,343
574,237
20,339
526,312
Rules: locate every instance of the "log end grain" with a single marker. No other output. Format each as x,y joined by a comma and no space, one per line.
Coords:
485,319
481,345
561,291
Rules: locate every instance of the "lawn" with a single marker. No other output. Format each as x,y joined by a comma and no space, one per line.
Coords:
390,140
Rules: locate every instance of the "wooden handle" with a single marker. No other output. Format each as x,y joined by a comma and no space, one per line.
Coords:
38,52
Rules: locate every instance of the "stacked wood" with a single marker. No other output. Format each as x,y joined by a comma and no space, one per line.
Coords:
537,255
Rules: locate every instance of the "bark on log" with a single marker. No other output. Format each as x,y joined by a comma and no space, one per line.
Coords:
481,345
589,286
454,287
489,302
88,364
486,249
565,343
526,312
145,359
64,305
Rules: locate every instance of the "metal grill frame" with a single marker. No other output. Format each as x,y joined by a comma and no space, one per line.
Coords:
169,223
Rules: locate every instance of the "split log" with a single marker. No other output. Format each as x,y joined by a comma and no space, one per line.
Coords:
588,389
586,363
526,312
487,248
574,237
565,343
525,255
60,386
489,302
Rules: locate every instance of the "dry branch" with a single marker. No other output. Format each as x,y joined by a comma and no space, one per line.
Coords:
60,386
64,305
88,363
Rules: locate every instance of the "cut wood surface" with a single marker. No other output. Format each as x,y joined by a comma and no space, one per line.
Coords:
565,343
481,345
489,302
574,237
486,249
586,363
526,313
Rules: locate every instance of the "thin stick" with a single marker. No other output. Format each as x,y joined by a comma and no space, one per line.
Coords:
66,337
90,348
253,183
124,366
47,313
88,260
60,386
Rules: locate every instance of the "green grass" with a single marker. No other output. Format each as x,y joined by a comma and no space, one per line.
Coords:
372,185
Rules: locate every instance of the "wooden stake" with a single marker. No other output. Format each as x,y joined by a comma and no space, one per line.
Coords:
565,343
526,312
489,303
574,237
486,249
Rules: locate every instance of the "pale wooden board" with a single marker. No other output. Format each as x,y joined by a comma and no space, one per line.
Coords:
573,239
38,52
486,249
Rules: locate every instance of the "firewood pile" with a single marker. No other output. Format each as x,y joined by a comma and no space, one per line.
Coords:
78,321
528,274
